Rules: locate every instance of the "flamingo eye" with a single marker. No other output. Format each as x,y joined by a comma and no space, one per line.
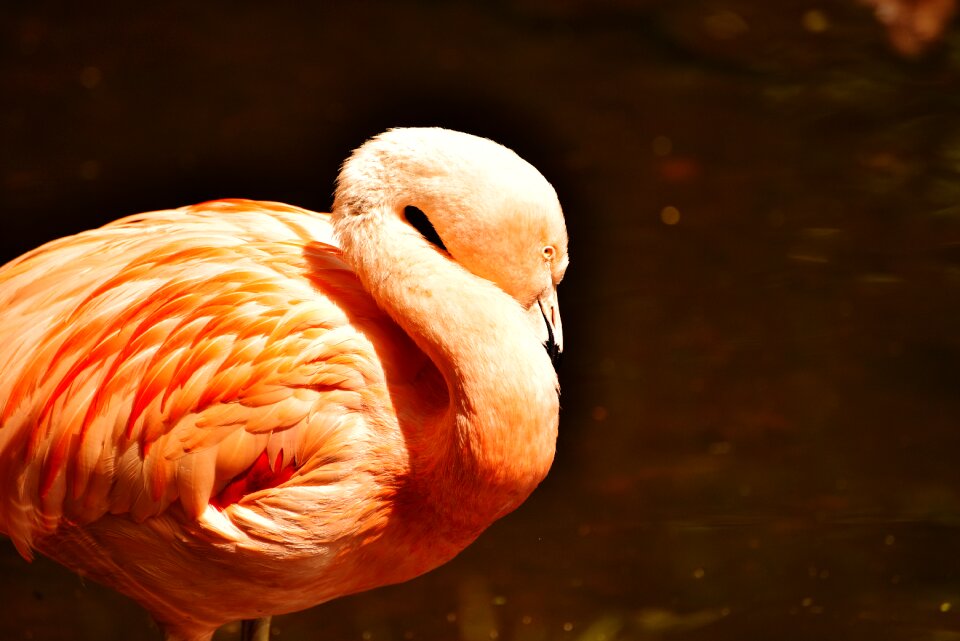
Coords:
549,252
423,225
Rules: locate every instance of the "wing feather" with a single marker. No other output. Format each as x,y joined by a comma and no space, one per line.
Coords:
153,360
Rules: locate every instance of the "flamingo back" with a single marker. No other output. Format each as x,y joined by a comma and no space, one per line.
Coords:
179,359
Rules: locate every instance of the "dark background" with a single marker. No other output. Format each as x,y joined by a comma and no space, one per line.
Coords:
760,421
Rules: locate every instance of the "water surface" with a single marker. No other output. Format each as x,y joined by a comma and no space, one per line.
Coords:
760,419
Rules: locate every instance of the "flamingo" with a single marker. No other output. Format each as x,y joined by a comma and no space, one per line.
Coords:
238,409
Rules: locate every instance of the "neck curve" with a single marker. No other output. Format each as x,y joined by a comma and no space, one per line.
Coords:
495,441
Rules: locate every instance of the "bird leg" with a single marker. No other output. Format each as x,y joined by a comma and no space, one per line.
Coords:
255,629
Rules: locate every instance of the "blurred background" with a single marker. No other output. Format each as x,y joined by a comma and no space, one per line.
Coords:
760,390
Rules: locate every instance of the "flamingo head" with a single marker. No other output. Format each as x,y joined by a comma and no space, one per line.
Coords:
474,201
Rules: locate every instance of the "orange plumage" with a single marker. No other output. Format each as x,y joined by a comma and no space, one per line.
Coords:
242,408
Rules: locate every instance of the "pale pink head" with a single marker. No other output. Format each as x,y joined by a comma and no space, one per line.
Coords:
473,200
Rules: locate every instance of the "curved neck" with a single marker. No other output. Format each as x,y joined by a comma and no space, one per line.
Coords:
495,441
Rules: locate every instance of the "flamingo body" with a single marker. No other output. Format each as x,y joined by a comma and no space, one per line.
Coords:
225,412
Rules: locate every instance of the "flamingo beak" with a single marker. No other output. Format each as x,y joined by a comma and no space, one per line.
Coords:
550,310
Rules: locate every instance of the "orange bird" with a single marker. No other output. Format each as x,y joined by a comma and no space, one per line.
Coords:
240,409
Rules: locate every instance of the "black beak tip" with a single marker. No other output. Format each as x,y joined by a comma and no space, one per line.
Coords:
553,350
